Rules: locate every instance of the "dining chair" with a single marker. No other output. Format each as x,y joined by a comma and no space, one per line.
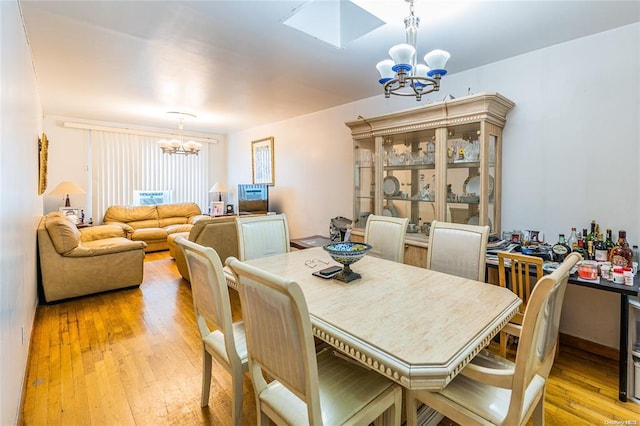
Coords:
260,236
303,387
226,343
458,249
519,278
386,235
494,390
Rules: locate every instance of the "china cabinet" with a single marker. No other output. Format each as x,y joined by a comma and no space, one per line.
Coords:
438,162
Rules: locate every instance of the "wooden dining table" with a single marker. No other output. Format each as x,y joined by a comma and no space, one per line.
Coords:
416,326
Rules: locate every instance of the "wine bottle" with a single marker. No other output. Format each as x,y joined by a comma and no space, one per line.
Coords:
609,241
560,249
580,249
621,254
601,251
572,242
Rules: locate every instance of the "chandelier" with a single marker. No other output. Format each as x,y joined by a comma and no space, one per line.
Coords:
401,75
179,146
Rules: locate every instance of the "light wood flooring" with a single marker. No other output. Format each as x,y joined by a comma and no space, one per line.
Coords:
133,357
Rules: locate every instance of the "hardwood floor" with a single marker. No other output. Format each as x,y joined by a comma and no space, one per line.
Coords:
133,357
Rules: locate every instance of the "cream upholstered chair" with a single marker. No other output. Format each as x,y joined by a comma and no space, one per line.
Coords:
386,236
493,390
306,388
458,249
520,270
260,236
227,343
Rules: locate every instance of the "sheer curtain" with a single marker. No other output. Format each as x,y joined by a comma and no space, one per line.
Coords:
123,163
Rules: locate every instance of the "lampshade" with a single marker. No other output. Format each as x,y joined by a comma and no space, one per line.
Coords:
402,54
437,60
67,187
385,70
218,187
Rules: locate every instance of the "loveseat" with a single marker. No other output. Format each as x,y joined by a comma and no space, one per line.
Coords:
218,232
153,224
77,262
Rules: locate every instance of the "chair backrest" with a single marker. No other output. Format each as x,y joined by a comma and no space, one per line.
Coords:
539,335
386,235
260,236
210,295
278,330
521,267
458,249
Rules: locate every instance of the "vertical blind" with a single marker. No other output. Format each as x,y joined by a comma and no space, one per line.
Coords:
123,163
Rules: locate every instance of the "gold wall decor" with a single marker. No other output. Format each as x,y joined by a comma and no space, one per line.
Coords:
43,156
262,161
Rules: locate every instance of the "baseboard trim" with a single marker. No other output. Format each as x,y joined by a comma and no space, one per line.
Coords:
591,347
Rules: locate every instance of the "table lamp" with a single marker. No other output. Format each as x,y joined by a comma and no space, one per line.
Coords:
67,187
219,188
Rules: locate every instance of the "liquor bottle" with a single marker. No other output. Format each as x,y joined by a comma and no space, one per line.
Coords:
621,254
601,251
636,254
572,242
560,249
580,249
609,242
591,236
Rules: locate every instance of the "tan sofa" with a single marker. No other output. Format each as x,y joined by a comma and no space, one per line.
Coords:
79,262
218,232
153,224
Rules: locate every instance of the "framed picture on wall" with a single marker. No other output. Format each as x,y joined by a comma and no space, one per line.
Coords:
217,208
262,163
43,158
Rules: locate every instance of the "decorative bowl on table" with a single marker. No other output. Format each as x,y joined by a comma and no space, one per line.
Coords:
347,253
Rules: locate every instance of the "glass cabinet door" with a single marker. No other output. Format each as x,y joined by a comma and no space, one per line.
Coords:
409,178
364,155
463,174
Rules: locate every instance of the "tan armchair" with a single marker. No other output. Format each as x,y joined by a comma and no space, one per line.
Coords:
79,262
218,233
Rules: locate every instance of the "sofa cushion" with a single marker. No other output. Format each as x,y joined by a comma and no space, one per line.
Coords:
172,229
137,217
106,246
185,210
100,232
64,234
149,234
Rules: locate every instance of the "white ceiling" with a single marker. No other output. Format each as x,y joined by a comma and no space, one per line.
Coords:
235,65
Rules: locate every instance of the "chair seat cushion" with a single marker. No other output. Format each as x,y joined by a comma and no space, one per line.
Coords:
345,388
215,342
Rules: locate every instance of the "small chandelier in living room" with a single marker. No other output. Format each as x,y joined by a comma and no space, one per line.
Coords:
402,75
179,146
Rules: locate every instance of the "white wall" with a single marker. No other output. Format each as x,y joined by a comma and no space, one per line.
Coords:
20,206
570,153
